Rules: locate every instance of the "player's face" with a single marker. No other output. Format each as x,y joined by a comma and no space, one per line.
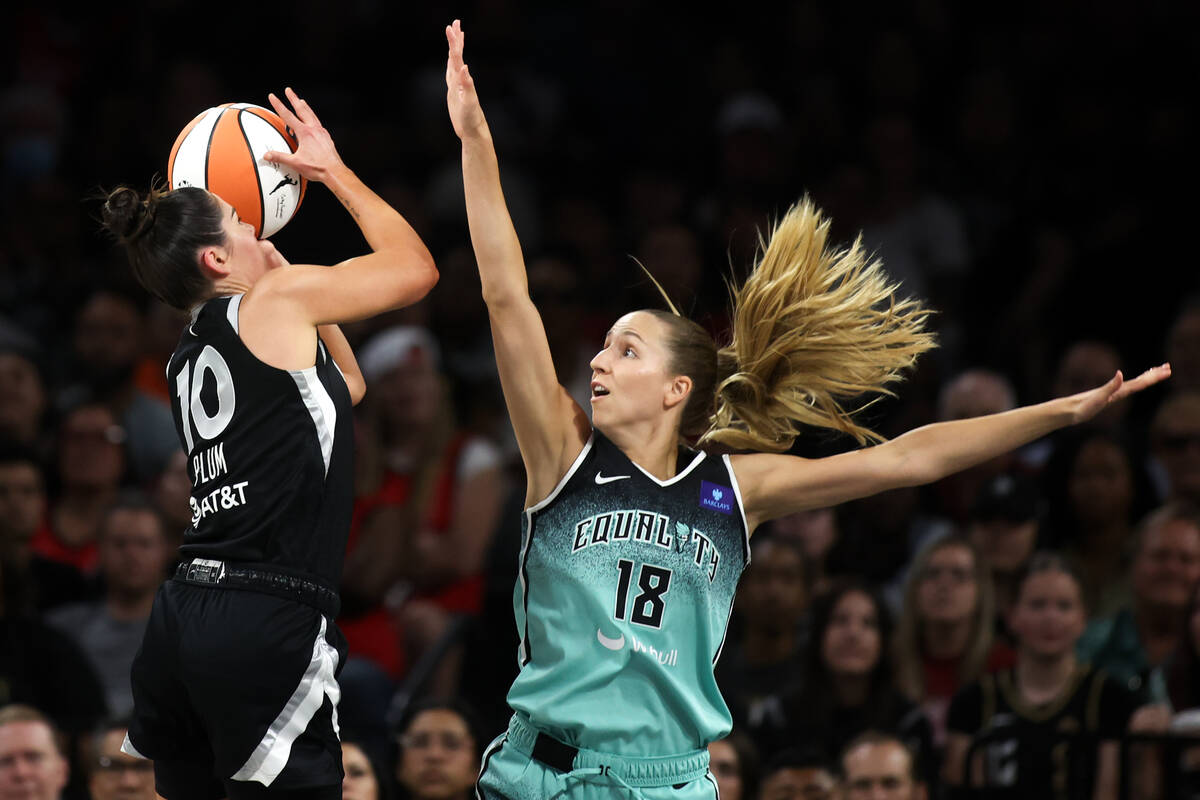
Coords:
630,376
723,762
439,758
851,645
250,257
1048,617
359,783
116,776
30,765
948,591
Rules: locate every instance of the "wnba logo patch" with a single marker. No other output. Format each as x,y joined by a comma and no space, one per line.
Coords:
716,497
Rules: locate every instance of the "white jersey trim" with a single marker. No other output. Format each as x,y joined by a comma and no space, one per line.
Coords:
700,456
231,312
587,448
320,407
128,749
737,490
272,753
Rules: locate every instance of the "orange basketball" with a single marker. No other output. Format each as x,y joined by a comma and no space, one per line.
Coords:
222,149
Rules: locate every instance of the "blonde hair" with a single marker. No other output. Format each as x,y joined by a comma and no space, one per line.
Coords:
910,672
813,327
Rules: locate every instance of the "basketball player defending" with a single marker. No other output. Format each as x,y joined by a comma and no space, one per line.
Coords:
633,544
235,686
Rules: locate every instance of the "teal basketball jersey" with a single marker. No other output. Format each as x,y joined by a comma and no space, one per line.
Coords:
623,596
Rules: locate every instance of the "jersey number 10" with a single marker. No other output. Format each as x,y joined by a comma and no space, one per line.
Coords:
188,386
648,605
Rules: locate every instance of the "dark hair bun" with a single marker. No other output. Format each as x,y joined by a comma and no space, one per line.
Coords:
125,213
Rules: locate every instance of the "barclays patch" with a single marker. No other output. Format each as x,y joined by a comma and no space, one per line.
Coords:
716,497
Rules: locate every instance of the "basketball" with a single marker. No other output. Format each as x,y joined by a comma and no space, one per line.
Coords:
222,149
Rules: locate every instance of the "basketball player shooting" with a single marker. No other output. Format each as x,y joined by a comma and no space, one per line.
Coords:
633,544
235,686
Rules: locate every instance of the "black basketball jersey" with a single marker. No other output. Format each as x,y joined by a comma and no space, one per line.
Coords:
1046,751
270,451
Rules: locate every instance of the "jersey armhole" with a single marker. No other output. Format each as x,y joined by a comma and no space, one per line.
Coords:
737,491
587,448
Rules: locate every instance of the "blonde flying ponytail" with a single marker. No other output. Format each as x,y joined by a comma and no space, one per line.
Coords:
813,327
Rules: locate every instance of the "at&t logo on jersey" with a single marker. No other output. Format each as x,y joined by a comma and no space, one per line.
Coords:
716,497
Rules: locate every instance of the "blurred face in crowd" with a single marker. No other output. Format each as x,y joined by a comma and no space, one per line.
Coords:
1101,483
772,593
359,783
133,551
880,771
1175,435
439,758
816,530
798,783
117,776
91,453
1005,545
22,397
22,504
725,767
948,591
1085,366
108,338
31,768
851,645
409,393
1167,566
1048,617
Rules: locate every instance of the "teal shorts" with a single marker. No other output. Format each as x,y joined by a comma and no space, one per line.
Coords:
510,772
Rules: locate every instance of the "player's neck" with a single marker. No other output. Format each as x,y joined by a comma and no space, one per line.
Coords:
653,447
1042,678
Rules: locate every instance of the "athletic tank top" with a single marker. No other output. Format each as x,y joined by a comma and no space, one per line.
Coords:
270,451
624,592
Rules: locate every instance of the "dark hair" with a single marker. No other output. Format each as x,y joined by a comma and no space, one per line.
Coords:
455,705
133,500
798,757
15,452
163,234
748,760
878,738
694,354
1046,561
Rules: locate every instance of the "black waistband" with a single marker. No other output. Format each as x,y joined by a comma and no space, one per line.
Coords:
553,753
218,574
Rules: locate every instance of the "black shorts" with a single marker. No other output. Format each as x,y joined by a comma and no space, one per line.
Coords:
234,691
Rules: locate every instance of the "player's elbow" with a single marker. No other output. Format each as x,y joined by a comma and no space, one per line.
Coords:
417,278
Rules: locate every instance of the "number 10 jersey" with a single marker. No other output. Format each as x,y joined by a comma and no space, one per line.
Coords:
624,592
270,451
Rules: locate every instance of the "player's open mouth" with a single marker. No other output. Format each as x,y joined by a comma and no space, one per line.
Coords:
598,390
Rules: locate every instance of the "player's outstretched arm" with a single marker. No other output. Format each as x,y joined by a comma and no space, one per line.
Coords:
776,485
399,271
550,427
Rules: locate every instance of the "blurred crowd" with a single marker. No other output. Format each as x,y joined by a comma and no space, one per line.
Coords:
1011,166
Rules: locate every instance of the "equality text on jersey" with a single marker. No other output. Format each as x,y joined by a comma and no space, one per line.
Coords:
648,528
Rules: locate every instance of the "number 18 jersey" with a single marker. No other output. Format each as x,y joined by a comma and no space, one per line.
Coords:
623,597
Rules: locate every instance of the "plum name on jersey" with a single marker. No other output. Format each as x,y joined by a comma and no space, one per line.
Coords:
648,528
219,499
209,464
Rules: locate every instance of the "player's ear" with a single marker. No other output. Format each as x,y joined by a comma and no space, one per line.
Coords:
678,391
214,262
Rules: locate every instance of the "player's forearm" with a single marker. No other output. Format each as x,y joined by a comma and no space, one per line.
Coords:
383,226
497,249
934,451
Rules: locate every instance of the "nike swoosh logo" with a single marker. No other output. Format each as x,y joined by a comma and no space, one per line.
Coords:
601,479
611,644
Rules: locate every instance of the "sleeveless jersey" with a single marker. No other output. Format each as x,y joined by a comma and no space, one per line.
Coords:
624,592
1048,750
270,451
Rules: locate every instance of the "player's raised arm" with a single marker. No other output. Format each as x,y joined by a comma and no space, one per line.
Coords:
397,273
549,426
777,485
